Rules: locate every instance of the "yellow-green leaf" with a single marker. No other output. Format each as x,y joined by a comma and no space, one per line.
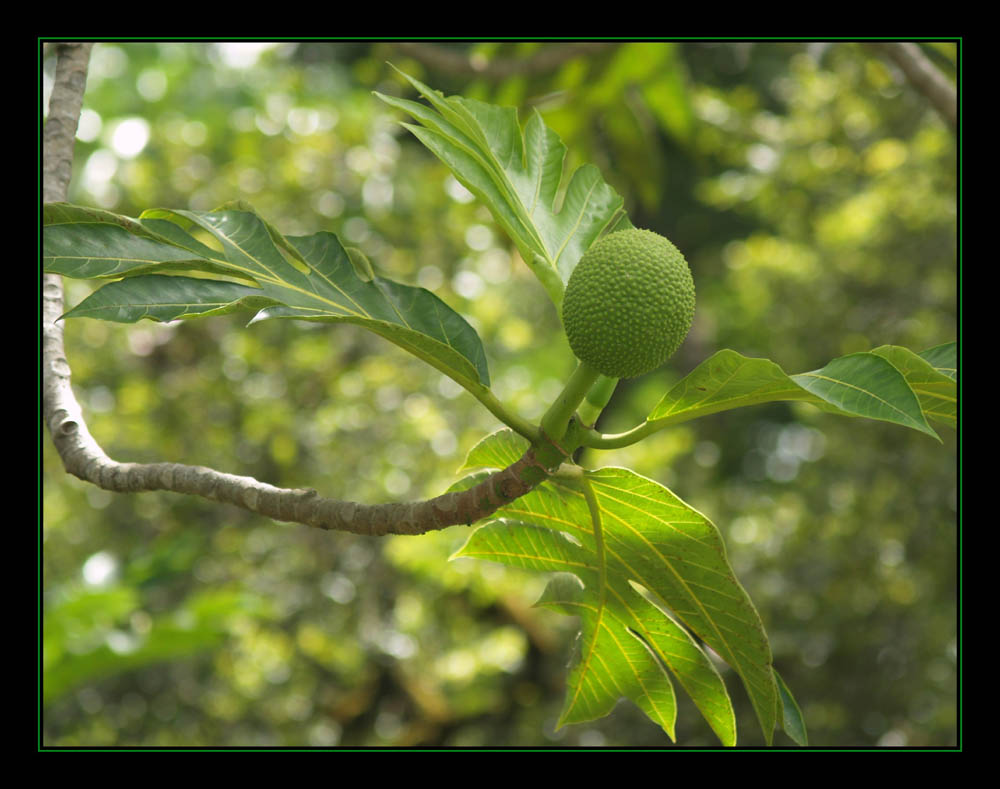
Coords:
660,576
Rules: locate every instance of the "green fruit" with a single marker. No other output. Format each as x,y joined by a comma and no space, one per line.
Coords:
629,303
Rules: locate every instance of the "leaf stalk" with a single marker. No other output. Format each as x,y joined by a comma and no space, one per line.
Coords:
595,440
597,398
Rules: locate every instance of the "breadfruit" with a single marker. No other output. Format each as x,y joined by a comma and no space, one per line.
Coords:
629,303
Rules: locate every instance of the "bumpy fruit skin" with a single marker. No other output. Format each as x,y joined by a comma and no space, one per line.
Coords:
629,303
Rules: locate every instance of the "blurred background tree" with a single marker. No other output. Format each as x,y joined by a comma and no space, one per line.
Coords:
813,191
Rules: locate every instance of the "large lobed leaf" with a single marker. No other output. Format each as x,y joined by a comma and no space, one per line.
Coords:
519,176
649,572
890,383
309,277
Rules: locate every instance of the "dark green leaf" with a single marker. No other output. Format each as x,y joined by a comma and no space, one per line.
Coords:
309,277
865,384
860,384
791,716
106,250
935,389
944,358
166,298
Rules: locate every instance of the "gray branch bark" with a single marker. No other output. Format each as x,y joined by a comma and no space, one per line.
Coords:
64,115
83,457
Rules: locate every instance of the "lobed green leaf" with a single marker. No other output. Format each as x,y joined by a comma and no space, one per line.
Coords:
519,176
309,277
662,571
104,250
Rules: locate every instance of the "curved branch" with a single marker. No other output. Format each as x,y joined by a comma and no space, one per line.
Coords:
83,457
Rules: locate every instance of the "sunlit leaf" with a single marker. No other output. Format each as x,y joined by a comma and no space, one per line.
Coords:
664,566
611,661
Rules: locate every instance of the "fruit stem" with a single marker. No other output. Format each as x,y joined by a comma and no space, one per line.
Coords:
597,397
556,419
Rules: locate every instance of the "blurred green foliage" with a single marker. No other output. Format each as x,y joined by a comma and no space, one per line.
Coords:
814,194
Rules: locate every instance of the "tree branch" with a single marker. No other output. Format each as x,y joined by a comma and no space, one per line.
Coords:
923,76
83,457
59,133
